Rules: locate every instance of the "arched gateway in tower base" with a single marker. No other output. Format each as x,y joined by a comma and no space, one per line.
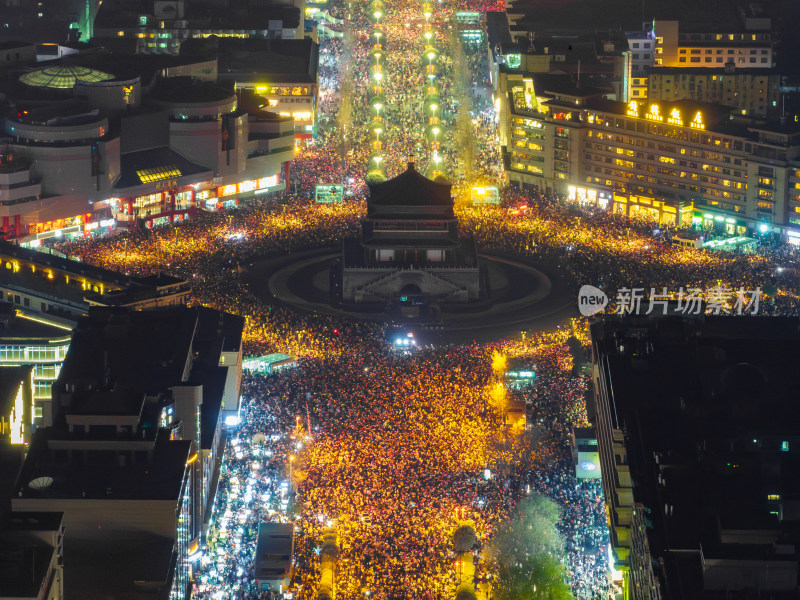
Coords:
409,250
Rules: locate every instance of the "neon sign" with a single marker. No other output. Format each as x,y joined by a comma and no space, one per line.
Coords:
633,108
697,122
675,117
655,113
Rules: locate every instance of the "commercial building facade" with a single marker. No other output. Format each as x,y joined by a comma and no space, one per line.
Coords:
98,155
682,163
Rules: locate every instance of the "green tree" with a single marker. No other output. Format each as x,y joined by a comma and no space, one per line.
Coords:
527,552
464,137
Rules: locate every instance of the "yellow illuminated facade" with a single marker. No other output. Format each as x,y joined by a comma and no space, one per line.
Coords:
671,162
296,100
18,425
158,174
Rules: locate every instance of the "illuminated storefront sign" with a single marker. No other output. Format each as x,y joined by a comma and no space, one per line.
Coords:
654,114
247,186
697,122
589,196
514,61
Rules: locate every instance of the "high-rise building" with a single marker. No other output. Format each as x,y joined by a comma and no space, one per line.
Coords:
133,456
681,162
161,27
696,424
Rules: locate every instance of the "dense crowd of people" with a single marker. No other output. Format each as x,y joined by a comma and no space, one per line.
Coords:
396,451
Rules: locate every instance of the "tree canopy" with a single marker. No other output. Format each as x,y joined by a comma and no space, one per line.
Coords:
527,552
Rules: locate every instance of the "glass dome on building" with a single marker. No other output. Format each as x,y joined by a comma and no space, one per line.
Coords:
62,76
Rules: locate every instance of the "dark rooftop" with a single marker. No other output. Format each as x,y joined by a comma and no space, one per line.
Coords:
162,157
12,44
138,350
410,188
22,329
161,478
138,569
710,414
115,402
276,61
188,89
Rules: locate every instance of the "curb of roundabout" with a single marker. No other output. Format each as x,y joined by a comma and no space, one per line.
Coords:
299,281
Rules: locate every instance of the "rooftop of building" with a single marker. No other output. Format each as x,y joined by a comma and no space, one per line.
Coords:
215,325
410,188
77,268
21,329
272,61
24,565
51,473
62,76
709,410
11,460
199,15
716,118
497,28
56,114
273,557
141,288
149,351
136,568
189,90
138,350
548,16
107,402
10,45
139,569
152,164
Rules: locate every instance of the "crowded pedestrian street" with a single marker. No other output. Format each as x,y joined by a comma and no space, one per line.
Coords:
395,451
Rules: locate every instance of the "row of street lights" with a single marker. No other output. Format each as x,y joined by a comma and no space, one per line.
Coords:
377,101
429,58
